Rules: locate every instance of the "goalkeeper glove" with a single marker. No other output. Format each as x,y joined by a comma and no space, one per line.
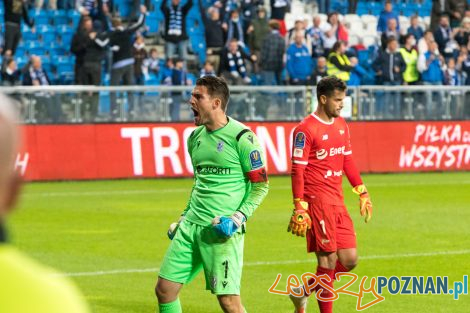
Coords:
227,226
365,205
300,221
174,227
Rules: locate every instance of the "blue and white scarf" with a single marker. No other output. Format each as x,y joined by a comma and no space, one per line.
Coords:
231,30
236,63
175,26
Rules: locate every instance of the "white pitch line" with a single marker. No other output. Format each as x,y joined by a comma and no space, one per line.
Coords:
186,190
280,262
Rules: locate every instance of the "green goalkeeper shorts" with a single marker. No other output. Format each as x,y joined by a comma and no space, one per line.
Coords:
196,247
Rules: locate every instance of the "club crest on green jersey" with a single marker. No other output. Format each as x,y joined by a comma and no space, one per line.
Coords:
255,159
220,146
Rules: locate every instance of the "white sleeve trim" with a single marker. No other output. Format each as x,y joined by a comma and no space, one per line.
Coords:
300,162
348,152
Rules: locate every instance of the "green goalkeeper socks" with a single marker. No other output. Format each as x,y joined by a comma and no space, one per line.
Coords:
172,307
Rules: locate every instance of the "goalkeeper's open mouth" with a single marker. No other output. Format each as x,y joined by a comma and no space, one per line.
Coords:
196,115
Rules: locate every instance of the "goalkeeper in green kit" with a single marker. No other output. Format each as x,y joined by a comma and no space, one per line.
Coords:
230,182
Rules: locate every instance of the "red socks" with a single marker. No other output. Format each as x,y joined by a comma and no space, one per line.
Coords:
327,307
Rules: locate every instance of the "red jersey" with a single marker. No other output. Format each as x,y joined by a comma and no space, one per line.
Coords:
321,153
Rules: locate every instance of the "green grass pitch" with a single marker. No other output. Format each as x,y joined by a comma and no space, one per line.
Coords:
110,236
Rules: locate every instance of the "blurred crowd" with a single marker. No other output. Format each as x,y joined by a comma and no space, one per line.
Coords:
248,43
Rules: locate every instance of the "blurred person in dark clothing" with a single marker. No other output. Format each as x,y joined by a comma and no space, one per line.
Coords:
391,31
271,59
214,34
11,74
256,37
236,28
444,36
208,70
175,28
279,9
15,12
389,67
320,70
463,32
122,69
98,10
179,77
140,55
78,46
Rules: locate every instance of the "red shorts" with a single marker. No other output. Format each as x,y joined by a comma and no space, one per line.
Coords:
332,228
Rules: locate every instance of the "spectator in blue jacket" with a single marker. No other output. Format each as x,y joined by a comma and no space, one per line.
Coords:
415,29
430,65
385,15
299,61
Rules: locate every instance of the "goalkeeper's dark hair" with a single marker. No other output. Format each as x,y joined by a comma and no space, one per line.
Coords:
327,86
216,88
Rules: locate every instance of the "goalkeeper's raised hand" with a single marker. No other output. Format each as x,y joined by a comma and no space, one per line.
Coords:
174,227
365,205
227,226
300,221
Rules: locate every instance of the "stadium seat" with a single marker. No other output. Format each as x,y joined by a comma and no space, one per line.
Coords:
369,40
41,17
59,17
28,35
73,18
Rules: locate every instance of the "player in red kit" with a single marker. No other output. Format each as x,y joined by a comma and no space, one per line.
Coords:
321,155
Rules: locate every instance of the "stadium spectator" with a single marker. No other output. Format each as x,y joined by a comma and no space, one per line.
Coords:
122,70
444,37
385,16
389,68
316,37
463,33
11,74
357,73
167,70
391,31
414,28
260,31
299,62
463,64
94,46
27,286
299,26
425,42
208,70
98,10
248,9
279,8
47,106
457,10
430,65
179,77
272,56
15,12
140,54
338,63
410,56
214,34
175,35
151,65
439,8
78,46
333,31
232,64
320,70
452,75
235,28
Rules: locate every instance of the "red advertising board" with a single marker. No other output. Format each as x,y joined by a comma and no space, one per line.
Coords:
105,151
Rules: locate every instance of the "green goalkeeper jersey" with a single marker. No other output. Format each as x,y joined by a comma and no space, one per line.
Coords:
229,172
